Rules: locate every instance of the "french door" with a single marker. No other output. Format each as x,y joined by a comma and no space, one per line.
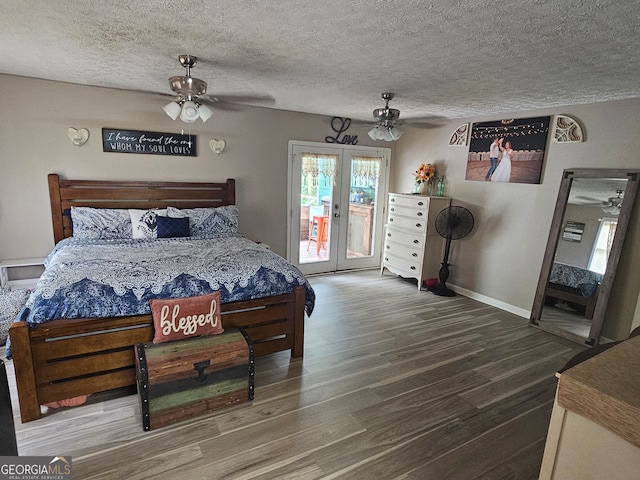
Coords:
336,206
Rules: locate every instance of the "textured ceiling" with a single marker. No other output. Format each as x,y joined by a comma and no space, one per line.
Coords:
443,58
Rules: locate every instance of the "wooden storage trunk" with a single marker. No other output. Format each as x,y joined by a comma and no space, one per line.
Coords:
186,378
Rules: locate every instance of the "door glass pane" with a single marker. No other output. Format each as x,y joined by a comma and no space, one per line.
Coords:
365,174
319,173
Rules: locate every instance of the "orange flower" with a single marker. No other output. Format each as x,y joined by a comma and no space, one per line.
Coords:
425,172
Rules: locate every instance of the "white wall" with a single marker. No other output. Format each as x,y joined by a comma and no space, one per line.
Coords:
35,115
501,259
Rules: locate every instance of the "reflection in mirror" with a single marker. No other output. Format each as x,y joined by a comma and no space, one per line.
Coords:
582,253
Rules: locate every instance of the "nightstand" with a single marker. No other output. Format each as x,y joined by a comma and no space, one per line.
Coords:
19,263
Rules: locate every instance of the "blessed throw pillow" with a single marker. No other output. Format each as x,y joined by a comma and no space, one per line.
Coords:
172,227
179,318
143,222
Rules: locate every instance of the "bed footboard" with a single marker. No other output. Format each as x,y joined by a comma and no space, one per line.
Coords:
68,358
588,302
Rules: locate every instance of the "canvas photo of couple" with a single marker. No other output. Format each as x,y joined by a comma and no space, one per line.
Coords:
510,150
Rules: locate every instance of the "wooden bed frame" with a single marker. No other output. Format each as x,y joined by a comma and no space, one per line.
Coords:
68,358
588,302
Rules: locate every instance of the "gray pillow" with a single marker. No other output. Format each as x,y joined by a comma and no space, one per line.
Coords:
100,223
208,222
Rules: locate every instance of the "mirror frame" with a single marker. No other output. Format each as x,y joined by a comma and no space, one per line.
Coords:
604,291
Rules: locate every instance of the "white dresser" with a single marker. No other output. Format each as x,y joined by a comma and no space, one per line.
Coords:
412,246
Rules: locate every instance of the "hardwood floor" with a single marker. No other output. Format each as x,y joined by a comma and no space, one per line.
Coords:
395,384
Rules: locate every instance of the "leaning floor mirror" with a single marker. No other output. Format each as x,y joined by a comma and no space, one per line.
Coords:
583,250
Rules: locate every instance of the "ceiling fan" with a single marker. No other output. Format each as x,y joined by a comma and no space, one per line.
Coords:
188,106
192,94
614,204
387,118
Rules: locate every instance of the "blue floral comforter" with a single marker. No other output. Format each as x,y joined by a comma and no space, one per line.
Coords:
113,278
583,280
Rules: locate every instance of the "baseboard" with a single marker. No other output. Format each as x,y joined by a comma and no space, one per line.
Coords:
521,312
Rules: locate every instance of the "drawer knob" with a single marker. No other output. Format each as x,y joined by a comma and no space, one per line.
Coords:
386,259
391,219
421,203
412,267
388,234
392,200
416,241
419,214
418,225
393,209
387,247
414,254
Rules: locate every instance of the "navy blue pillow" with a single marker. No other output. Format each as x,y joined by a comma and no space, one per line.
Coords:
172,227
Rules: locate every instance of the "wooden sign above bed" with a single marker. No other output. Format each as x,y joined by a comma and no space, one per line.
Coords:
154,143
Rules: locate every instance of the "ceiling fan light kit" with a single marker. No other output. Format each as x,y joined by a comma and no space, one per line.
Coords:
172,109
189,113
205,112
386,133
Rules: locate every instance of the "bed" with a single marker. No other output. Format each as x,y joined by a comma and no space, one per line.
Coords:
577,286
60,358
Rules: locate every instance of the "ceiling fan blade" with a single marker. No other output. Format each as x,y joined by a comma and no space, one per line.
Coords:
423,122
225,102
236,102
430,121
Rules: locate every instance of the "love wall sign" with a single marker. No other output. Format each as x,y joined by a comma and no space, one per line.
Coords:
341,125
153,143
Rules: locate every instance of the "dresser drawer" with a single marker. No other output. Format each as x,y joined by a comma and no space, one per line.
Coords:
408,265
415,224
402,251
415,201
412,212
415,240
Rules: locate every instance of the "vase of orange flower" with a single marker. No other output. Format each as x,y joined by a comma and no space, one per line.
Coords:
425,176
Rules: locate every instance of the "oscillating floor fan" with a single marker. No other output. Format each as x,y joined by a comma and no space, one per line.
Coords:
452,223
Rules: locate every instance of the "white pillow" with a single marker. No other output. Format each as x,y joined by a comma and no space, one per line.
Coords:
143,222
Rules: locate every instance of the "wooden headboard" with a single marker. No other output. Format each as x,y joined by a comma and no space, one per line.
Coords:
65,194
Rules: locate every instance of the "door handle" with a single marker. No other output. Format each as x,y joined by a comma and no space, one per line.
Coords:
336,215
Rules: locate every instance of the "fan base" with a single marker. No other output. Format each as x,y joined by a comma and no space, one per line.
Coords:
442,290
